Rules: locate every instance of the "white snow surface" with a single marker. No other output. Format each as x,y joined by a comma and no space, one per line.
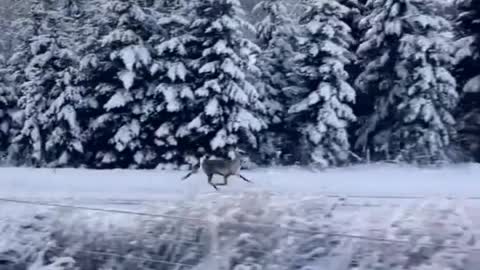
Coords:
282,213
459,181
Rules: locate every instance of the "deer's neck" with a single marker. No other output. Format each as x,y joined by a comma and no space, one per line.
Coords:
237,161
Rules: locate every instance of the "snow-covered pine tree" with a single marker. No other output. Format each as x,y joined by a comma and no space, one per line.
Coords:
122,66
170,101
85,26
226,108
66,140
27,27
276,26
321,112
357,10
275,35
407,52
467,73
26,147
6,104
50,134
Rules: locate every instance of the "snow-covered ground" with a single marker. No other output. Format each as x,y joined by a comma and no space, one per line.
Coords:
399,216
371,180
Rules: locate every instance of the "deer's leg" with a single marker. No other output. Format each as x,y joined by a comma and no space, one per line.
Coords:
210,176
193,171
225,180
188,175
244,178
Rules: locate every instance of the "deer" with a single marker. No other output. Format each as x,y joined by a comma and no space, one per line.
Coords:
223,167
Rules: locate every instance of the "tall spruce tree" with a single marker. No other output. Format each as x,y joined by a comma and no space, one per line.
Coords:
407,52
467,73
15,68
226,108
275,35
122,65
322,112
50,134
363,101
27,142
169,101
65,138
7,103
86,25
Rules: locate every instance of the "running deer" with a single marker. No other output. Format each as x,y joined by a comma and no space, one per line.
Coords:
223,167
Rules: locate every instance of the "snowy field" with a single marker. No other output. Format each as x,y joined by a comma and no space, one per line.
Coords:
365,217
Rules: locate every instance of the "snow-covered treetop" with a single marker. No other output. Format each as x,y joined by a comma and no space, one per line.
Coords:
468,45
126,39
389,21
277,22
